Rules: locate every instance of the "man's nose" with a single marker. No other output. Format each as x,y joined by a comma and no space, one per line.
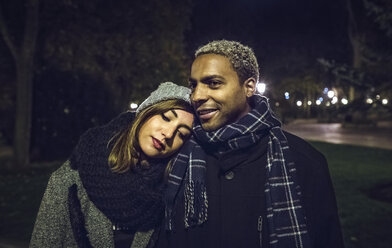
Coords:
200,93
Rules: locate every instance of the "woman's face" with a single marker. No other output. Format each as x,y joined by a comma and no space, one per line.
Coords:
163,135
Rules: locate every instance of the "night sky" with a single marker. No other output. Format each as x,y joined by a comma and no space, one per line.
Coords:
281,32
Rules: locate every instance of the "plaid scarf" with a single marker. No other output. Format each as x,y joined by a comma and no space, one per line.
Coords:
286,217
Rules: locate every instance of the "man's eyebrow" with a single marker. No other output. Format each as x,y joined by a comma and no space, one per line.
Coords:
207,78
211,77
174,113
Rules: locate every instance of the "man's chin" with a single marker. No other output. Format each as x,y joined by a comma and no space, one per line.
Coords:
213,123
209,126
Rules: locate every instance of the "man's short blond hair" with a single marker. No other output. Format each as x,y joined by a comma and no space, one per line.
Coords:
241,57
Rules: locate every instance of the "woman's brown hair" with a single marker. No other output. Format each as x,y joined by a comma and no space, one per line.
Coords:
126,151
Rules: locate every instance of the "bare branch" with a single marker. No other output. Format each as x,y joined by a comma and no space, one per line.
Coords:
6,36
31,27
352,24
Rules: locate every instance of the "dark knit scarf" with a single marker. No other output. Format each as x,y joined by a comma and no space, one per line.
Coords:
286,217
131,200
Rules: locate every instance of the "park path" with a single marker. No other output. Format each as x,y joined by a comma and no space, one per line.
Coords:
380,137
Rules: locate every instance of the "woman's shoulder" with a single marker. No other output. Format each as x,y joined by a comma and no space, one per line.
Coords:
120,121
64,175
116,124
60,181
95,140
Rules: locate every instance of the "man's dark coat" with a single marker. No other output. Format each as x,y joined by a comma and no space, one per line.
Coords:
236,201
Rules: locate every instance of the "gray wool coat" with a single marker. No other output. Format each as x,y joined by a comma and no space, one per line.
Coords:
53,227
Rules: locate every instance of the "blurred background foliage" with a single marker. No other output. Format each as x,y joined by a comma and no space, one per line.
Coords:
92,58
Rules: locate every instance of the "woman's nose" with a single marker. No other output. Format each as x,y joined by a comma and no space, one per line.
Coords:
168,131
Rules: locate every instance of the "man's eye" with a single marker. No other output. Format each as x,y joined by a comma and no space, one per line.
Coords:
192,85
164,117
214,84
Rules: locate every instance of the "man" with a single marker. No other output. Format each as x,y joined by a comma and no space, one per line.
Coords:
242,181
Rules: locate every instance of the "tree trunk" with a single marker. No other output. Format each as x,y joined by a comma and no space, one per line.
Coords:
24,95
356,42
24,63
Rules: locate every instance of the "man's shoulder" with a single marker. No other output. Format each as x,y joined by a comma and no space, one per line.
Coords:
302,149
310,163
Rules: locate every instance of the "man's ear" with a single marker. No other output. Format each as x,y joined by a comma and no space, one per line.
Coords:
250,87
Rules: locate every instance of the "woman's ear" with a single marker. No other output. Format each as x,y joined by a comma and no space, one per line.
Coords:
250,87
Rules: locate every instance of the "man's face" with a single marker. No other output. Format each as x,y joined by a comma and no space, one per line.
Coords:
217,94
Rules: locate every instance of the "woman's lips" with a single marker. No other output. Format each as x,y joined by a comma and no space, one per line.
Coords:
206,114
157,144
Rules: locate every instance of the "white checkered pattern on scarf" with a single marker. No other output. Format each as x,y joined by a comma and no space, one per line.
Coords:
286,217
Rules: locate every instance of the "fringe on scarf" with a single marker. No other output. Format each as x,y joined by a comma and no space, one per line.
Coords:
196,204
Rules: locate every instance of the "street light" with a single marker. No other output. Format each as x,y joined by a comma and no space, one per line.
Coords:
331,94
299,103
369,101
344,101
260,87
133,106
287,95
384,101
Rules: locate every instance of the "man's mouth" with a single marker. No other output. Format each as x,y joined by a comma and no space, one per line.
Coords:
157,144
206,114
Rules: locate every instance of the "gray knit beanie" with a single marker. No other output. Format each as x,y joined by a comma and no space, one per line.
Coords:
165,91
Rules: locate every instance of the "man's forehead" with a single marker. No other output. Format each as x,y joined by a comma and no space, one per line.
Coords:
210,64
211,58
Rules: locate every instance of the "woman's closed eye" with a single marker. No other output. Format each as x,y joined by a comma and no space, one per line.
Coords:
164,117
183,135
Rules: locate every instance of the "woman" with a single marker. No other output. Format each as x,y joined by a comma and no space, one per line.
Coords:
109,193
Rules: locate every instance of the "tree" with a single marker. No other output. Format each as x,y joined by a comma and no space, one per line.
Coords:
369,28
381,14
23,56
125,48
356,38
130,46
98,56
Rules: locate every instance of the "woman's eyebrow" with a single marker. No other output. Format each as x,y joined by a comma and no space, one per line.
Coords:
174,113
